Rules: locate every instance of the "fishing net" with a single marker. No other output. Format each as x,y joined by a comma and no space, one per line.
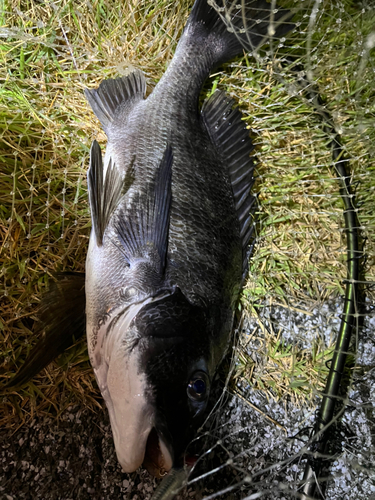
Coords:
308,101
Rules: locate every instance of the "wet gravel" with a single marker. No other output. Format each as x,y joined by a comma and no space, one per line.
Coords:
74,458
70,459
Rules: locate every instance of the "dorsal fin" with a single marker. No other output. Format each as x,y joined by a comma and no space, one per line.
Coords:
231,139
147,225
115,96
104,194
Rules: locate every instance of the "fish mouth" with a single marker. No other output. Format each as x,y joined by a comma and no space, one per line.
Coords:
140,435
128,396
158,459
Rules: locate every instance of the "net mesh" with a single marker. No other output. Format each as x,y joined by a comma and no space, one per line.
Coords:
256,438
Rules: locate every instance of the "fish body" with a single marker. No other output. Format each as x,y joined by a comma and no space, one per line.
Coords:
172,213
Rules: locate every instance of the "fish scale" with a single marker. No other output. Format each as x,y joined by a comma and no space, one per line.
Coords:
209,230
172,214
212,221
202,236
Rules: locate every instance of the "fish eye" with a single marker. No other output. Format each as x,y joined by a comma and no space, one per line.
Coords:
197,388
128,293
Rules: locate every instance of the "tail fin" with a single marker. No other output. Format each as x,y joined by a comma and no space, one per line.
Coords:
237,25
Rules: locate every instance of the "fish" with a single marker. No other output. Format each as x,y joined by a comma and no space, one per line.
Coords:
173,227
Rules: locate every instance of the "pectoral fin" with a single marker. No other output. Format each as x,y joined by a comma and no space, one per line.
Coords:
147,224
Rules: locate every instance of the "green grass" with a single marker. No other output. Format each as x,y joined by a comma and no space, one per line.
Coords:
48,55
287,371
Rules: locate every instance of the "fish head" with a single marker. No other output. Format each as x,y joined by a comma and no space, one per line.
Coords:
179,366
154,366
180,391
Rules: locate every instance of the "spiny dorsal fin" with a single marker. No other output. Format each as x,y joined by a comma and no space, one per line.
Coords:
116,95
104,194
147,225
231,139
62,319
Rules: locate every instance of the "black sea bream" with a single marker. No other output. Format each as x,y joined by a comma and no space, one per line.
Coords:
172,209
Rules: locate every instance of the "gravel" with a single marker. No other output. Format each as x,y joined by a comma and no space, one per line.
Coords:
74,457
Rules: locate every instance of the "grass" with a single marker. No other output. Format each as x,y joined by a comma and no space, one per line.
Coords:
281,369
50,52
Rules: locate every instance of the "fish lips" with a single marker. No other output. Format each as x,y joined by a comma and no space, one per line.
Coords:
159,455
